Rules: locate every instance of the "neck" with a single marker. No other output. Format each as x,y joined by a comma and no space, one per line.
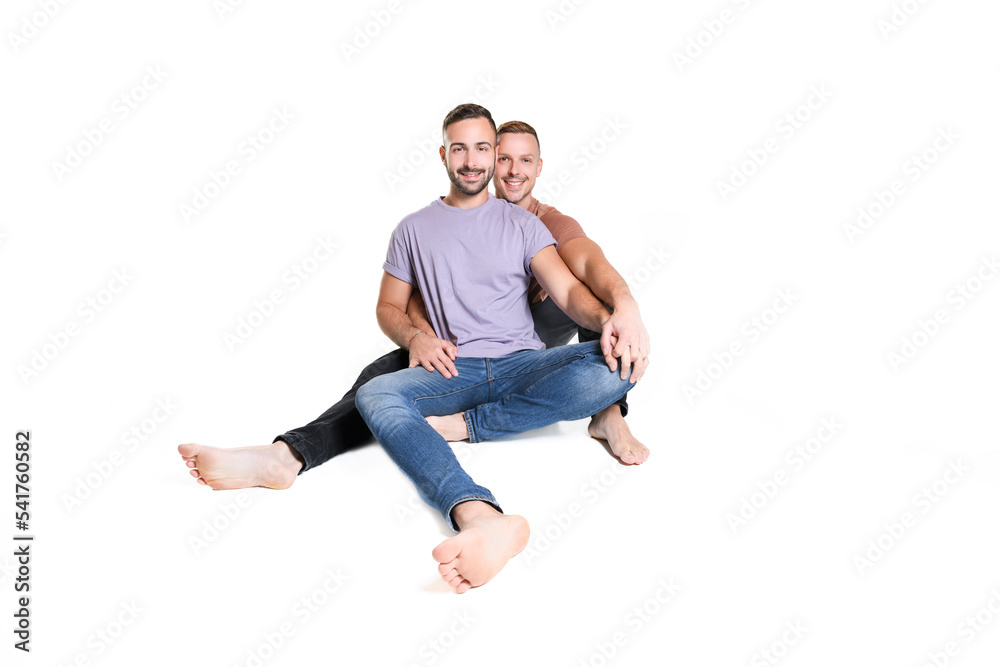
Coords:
461,200
527,201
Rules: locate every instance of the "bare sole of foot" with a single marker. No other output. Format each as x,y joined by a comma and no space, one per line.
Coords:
483,547
609,425
271,466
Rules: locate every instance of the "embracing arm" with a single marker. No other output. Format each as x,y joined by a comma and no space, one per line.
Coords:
572,296
390,311
426,349
417,311
587,262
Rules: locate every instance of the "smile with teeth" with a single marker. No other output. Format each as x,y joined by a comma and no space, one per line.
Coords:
471,175
514,185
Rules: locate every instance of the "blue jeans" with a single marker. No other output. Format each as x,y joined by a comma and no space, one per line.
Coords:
341,428
500,396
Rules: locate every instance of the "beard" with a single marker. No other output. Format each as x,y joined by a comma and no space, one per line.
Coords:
466,188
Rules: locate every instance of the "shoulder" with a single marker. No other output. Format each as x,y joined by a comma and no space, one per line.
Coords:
421,214
550,216
563,227
413,221
517,215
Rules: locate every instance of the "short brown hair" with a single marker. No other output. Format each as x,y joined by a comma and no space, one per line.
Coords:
518,127
466,112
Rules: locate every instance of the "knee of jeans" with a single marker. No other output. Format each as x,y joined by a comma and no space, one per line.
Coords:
611,382
369,397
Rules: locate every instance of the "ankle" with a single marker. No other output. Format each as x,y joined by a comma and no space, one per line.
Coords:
471,510
287,457
611,418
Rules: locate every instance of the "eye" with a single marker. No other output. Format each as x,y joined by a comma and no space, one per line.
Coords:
502,159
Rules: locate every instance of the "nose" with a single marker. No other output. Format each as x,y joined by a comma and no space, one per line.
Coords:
471,161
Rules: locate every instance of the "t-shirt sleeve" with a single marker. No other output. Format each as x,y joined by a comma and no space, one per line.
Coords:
398,261
536,237
562,227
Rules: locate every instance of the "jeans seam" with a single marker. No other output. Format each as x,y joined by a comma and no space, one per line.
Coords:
528,389
541,368
451,393
468,426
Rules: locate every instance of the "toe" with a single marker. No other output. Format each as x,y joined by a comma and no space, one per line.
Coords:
447,551
463,586
187,450
447,569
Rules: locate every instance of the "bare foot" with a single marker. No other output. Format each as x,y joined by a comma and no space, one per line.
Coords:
486,542
273,466
451,427
609,425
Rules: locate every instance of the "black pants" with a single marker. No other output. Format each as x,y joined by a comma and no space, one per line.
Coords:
341,427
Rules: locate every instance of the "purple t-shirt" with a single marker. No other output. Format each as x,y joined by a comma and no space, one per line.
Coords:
472,268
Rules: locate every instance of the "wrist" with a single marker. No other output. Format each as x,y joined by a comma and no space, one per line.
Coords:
625,304
409,341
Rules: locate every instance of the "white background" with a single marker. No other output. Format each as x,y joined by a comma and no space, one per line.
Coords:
648,187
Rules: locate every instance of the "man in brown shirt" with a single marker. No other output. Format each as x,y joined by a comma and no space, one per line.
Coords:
519,164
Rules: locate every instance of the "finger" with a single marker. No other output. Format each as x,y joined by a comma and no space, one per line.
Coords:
606,342
427,364
626,363
413,362
637,357
611,360
449,364
623,344
441,368
452,351
639,369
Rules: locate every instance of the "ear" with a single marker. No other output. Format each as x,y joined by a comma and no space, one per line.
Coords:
539,171
441,153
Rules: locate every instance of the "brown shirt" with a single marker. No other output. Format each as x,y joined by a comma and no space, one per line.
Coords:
562,227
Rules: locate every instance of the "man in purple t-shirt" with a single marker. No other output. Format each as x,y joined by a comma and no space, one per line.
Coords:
472,256
473,267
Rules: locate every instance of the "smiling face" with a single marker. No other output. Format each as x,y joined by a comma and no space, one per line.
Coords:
518,166
468,154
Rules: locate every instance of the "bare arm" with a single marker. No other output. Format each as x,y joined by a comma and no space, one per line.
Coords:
587,262
390,311
417,311
426,349
572,297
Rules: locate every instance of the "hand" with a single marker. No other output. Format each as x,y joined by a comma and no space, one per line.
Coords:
624,336
541,296
433,354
